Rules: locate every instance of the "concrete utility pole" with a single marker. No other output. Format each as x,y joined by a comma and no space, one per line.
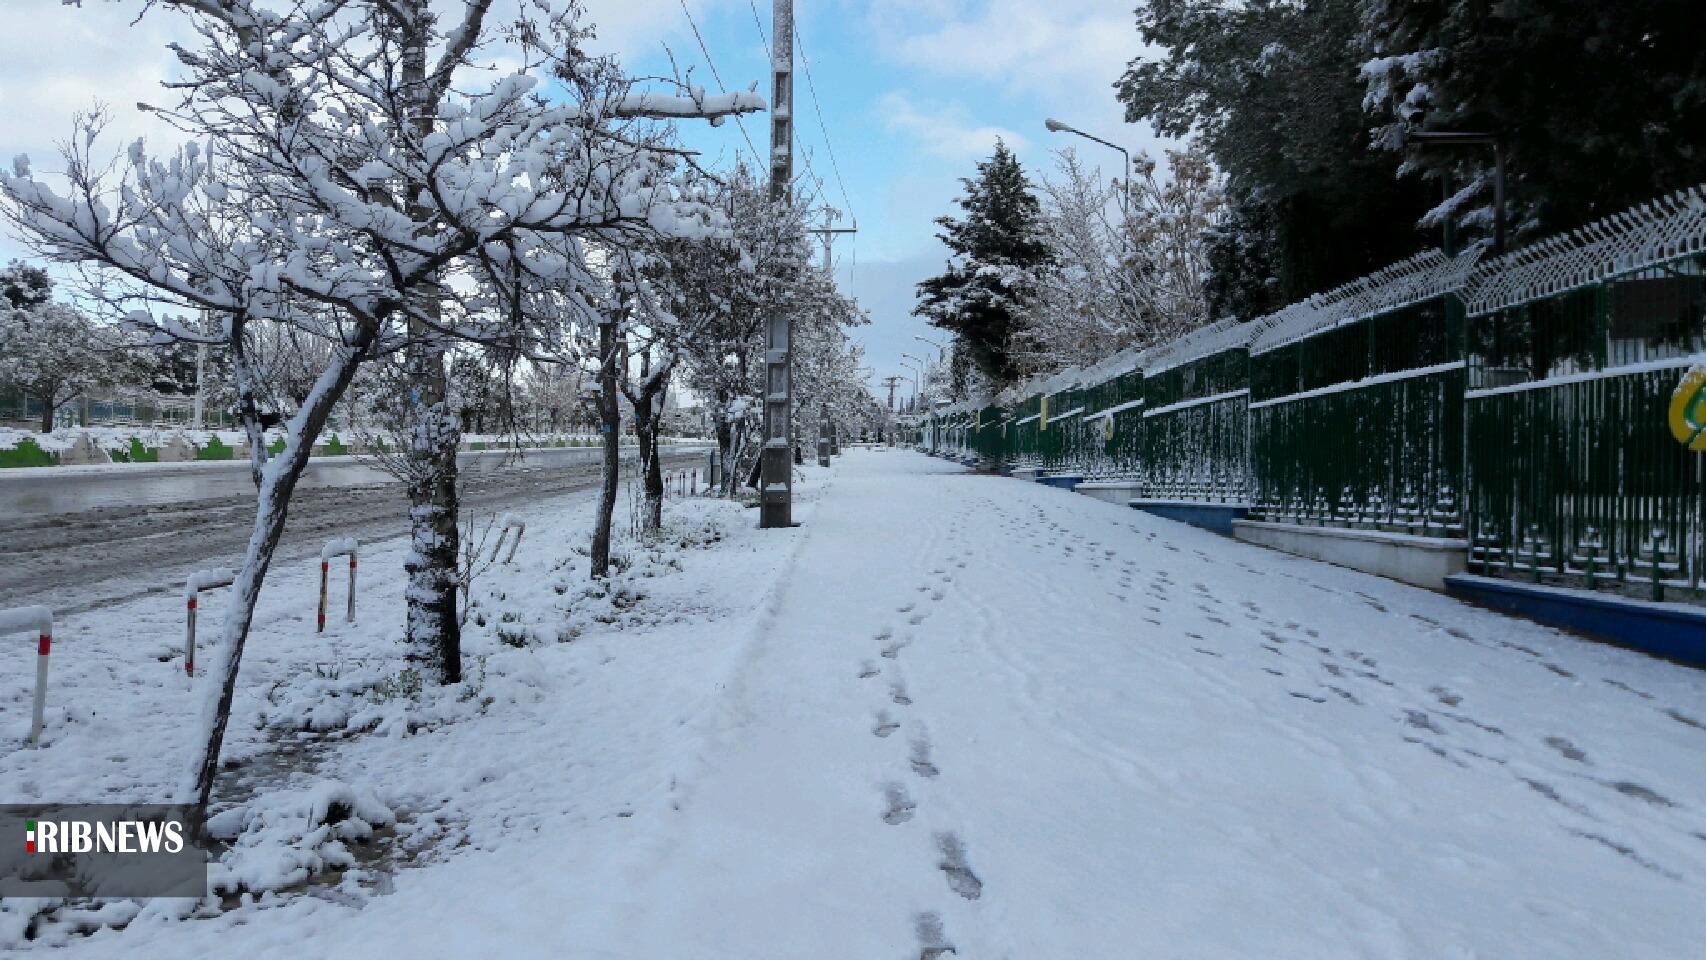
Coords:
891,383
776,493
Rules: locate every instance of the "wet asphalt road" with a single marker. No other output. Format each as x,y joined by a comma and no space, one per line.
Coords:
84,542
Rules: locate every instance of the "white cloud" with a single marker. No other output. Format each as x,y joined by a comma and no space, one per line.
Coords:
56,61
944,129
1061,46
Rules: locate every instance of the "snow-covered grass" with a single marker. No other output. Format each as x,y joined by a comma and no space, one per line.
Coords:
949,713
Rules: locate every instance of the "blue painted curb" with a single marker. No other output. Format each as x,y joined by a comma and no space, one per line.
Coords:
1216,517
1670,630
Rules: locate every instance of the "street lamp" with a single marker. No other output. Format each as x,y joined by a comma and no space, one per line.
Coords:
923,364
917,382
941,351
1055,126
1455,139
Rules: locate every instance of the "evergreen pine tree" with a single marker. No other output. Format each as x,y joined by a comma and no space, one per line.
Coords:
997,249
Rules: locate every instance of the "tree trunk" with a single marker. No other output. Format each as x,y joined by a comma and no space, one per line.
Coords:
610,422
647,425
725,455
47,412
272,503
432,634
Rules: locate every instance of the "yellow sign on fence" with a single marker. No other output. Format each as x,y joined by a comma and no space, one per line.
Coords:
1042,418
1688,409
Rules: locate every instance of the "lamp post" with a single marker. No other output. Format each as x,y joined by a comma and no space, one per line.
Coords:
1055,126
1447,138
923,365
941,351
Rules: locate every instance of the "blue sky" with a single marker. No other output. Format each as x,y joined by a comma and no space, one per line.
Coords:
913,94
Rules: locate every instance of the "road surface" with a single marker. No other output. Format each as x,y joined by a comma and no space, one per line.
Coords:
84,540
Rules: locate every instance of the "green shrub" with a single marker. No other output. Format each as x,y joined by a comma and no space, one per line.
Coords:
215,450
141,454
27,454
335,447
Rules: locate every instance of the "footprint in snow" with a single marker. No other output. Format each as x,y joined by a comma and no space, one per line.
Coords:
961,879
1567,749
867,670
897,693
920,759
932,942
900,806
885,725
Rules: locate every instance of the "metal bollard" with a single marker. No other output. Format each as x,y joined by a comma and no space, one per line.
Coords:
337,548
39,620
199,581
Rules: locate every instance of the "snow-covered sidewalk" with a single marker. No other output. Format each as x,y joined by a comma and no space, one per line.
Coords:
967,716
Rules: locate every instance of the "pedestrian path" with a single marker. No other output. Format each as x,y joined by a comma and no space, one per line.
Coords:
992,719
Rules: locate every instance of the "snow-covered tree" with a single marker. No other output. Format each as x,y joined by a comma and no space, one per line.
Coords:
997,251
1124,270
387,181
723,289
56,353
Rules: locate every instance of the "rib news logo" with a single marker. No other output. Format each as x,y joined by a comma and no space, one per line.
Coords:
100,850
82,836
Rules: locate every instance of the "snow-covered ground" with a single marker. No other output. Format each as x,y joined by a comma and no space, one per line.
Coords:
948,715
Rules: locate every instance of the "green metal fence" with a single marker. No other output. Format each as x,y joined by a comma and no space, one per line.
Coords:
1522,405
1575,476
1195,434
1361,425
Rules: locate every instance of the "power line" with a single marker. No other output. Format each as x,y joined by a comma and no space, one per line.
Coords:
817,108
756,156
759,21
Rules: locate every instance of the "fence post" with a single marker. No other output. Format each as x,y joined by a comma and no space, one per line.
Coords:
199,581
346,546
40,620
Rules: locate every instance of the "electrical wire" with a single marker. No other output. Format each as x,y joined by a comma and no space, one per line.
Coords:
759,22
811,86
756,156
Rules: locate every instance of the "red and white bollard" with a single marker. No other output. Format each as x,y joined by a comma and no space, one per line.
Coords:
337,548
509,522
198,581
695,491
38,620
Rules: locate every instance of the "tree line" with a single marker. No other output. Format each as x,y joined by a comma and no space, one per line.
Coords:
1301,169
377,204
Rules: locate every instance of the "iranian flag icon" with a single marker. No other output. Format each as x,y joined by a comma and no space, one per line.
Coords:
29,836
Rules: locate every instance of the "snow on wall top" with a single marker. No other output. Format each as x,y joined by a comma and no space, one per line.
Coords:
1199,343
1422,277
1664,229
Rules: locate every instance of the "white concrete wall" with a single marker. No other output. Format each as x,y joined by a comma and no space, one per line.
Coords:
1421,561
1114,491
